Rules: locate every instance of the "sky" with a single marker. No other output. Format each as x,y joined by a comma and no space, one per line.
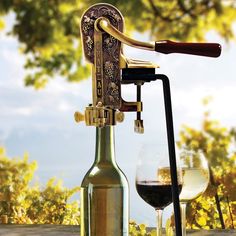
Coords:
41,122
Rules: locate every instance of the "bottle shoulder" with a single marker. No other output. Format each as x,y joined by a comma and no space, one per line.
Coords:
104,175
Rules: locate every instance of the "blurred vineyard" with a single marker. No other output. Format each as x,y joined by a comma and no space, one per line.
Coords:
216,208
25,202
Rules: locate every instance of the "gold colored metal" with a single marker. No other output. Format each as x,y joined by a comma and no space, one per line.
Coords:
131,63
123,62
120,116
103,40
79,116
107,27
100,116
89,116
98,68
141,64
131,106
138,126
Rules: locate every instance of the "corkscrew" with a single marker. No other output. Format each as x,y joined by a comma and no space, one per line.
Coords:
102,27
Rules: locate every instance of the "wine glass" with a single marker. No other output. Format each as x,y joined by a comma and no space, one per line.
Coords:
195,174
153,179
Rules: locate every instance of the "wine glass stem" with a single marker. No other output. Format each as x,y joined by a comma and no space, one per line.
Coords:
183,217
159,222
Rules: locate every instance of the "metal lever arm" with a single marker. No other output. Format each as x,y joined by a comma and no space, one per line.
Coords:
103,23
164,46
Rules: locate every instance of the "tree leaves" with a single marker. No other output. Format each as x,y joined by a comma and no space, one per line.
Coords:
217,143
25,203
48,31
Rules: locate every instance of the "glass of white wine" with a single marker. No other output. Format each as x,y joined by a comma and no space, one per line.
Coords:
195,173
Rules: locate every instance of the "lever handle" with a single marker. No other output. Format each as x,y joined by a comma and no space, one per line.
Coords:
163,46
200,49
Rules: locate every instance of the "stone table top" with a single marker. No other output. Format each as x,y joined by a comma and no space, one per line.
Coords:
62,230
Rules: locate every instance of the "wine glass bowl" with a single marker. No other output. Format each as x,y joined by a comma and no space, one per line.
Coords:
195,175
157,193
153,179
195,179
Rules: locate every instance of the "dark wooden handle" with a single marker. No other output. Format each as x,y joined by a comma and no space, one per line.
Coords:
200,49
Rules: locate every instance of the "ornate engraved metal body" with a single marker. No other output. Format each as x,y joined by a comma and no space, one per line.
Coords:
103,51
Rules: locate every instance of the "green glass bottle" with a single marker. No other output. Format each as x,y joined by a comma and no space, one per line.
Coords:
104,192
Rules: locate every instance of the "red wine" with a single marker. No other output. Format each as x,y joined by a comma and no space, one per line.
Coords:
155,193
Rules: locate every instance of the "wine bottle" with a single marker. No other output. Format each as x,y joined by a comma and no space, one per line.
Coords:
104,192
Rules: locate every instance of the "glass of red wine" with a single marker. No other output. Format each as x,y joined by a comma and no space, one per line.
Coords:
153,179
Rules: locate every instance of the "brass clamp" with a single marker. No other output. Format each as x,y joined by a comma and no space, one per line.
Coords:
99,116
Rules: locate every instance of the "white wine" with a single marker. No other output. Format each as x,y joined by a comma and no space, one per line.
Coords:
195,182
104,192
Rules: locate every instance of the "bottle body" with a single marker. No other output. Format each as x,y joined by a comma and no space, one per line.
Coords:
104,192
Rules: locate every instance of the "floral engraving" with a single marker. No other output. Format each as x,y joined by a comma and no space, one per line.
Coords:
110,50
109,42
109,69
89,43
87,24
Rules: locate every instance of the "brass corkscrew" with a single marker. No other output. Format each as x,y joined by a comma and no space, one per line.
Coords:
102,36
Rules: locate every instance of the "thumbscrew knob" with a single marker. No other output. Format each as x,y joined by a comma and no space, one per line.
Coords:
78,116
120,116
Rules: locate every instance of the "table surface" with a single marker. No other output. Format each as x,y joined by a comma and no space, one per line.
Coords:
61,230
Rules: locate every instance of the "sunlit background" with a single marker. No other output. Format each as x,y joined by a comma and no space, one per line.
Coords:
41,122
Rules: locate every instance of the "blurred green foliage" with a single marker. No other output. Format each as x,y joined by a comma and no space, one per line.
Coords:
48,30
218,143
140,230
26,203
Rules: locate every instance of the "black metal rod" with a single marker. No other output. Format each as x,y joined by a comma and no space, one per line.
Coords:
172,156
138,100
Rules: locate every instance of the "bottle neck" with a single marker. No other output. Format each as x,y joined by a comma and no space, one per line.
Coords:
105,148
